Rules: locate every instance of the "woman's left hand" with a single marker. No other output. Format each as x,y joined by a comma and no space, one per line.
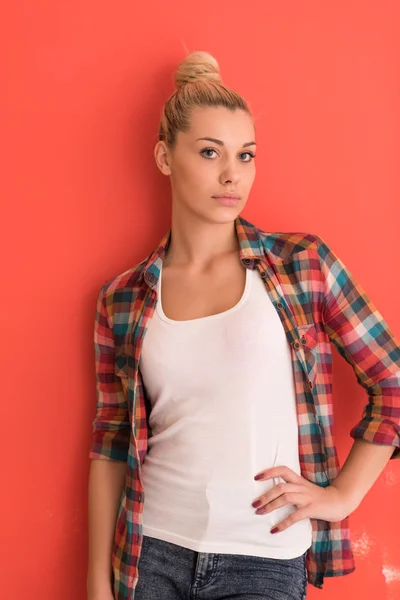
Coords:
312,501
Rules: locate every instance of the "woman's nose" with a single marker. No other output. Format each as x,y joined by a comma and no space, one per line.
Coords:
229,174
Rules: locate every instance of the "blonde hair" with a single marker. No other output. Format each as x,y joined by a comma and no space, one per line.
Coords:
198,83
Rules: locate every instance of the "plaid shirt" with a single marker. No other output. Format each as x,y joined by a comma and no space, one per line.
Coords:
318,302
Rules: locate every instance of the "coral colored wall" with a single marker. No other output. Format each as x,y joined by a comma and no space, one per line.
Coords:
84,83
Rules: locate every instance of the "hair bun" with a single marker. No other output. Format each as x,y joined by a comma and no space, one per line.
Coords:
197,66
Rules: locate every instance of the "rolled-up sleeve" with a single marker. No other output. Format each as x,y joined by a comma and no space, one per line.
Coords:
111,425
364,339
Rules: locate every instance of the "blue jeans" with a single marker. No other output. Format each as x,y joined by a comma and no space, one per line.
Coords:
171,572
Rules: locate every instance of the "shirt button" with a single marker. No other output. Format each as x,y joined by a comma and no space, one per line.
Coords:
310,383
247,261
279,306
296,345
303,340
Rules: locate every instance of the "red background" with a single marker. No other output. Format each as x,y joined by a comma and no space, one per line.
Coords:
84,86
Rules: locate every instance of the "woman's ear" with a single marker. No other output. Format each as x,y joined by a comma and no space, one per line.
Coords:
162,157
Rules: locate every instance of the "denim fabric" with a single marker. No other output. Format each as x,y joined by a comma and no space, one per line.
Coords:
171,572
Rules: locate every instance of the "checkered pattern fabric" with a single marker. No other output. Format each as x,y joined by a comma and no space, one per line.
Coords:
320,305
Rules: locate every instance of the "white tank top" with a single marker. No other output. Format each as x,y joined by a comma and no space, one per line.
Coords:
222,394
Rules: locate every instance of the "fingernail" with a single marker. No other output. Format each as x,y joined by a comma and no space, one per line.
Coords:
275,530
257,503
259,476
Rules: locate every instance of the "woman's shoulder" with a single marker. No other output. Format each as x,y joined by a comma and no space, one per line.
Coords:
125,281
284,244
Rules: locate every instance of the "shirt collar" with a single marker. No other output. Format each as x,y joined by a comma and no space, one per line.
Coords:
251,249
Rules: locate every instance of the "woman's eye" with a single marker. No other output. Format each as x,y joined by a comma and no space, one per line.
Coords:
251,156
207,150
242,154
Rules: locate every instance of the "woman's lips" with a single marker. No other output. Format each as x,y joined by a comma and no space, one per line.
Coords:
226,201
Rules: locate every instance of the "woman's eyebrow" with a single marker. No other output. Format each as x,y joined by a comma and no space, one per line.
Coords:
221,143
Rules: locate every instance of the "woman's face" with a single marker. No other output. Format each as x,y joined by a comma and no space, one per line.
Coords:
200,169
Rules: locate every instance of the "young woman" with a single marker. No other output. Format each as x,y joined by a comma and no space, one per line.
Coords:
217,475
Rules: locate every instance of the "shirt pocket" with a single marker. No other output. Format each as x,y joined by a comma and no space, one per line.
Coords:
308,337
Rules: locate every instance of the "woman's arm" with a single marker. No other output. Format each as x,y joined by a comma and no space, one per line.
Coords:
106,482
364,339
361,469
108,453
